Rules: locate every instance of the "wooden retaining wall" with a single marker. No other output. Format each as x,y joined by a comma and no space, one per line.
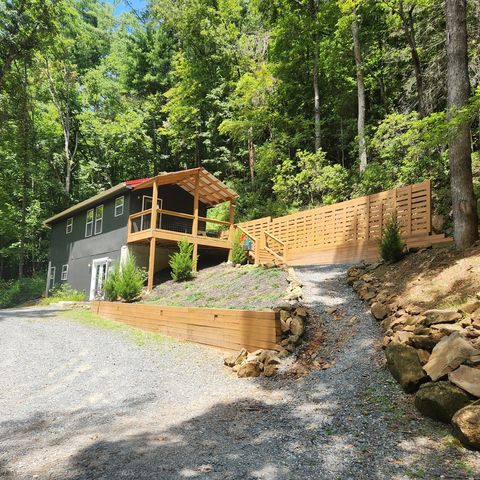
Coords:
226,329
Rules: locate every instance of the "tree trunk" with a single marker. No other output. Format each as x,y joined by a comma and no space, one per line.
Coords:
409,29
362,148
465,217
316,99
251,154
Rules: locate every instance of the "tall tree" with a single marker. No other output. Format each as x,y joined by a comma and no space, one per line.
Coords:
463,199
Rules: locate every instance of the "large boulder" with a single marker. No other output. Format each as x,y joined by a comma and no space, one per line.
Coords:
440,400
466,425
447,355
404,365
297,326
441,316
467,378
235,358
251,369
379,310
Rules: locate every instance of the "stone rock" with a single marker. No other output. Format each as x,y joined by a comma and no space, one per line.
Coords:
269,357
447,328
284,342
470,307
293,340
413,309
283,353
290,348
301,312
270,370
251,357
423,356
379,310
284,326
426,342
466,425
284,314
441,316
401,337
404,365
297,326
440,400
448,354
251,369
467,378
438,223
474,360
284,305
235,358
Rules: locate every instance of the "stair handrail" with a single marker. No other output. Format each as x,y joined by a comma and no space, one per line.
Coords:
282,257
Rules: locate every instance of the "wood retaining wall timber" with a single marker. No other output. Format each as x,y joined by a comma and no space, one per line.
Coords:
226,329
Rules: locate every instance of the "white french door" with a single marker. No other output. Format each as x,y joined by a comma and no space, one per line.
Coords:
99,274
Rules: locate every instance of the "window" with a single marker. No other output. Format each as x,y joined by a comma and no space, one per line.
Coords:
69,225
119,201
64,272
98,219
89,224
52,277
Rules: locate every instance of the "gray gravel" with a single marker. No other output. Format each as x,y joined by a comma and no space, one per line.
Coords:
79,402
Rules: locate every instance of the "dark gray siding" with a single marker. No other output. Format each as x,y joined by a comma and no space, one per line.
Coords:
78,252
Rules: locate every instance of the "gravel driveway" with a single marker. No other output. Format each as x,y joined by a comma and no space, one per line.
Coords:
78,402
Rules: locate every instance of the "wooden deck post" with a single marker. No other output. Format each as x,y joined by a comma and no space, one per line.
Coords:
153,216
195,219
231,228
151,264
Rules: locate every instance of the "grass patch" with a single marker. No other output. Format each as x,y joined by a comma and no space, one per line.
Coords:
137,336
223,286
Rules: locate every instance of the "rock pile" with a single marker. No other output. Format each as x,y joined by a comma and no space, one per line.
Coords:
434,352
292,316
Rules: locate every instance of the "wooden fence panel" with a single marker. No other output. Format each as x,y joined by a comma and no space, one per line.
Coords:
226,329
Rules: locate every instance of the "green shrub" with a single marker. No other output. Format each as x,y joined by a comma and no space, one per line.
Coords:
390,245
125,281
238,256
14,292
181,262
110,286
63,292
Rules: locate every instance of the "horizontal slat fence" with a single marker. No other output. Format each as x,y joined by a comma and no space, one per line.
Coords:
354,224
226,329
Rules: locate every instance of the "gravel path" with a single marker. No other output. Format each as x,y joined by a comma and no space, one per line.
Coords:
78,402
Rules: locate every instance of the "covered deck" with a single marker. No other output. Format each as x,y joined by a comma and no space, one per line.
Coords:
162,227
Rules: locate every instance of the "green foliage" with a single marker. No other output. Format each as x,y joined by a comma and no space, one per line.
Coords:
181,262
311,180
15,292
238,255
112,283
390,245
63,292
125,282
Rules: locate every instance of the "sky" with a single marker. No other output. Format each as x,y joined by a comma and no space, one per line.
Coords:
122,6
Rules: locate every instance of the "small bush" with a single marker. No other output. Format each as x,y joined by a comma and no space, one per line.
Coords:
181,262
238,256
111,284
63,292
125,281
14,292
390,245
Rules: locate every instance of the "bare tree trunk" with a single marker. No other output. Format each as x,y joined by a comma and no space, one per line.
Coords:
316,99
465,217
251,154
362,147
409,30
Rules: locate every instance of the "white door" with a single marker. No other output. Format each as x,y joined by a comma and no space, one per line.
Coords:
99,274
146,205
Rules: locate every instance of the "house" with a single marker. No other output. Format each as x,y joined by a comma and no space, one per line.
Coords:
90,237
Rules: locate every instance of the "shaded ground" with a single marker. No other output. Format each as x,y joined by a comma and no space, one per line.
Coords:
224,286
79,402
435,278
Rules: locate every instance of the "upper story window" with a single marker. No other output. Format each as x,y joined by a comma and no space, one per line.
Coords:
119,202
69,225
98,219
89,223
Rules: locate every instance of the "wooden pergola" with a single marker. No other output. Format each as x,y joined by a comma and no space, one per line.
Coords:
205,188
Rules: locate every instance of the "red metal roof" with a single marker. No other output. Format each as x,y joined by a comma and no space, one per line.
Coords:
133,183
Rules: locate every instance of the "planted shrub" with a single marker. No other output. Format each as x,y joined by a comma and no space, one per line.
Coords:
125,281
13,292
63,292
111,284
181,262
238,256
390,245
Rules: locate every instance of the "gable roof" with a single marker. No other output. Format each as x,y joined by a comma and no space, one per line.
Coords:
211,190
